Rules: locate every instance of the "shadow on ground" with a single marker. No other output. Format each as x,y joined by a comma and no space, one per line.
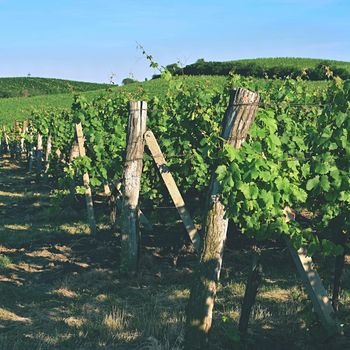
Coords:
60,287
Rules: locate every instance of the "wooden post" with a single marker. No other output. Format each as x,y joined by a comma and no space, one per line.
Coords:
116,203
107,189
238,118
315,289
31,157
86,181
312,282
339,237
129,216
16,143
39,153
338,271
172,188
48,152
6,141
74,151
251,290
24,130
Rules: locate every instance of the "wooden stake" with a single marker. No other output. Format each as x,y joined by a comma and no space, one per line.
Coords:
74,151
117,206
107,189
251,290
129,217
39,153
312,282
24,131
31,157
314,288
86,181
48,152
174,192
238,118
6,141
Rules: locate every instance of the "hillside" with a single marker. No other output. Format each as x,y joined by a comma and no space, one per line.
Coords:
280,67
18,108
28,86
45,93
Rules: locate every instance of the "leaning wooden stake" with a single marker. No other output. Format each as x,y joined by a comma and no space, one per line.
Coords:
129,217
86,181
312,283
314,288
172,188
238,118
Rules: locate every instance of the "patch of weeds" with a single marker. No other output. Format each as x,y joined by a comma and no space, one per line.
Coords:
297,295
230,332
4,261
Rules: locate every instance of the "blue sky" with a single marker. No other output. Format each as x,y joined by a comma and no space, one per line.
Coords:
91,39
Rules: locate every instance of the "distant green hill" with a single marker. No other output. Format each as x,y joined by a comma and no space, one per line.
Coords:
19,108
279,67
27,94
28,86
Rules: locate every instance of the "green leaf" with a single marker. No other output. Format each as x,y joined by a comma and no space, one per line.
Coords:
321,168
95,182
274,139
221,172
324,183
312,183
267,197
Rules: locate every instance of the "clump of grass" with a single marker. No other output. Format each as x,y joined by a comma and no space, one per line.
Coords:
4,261
116,320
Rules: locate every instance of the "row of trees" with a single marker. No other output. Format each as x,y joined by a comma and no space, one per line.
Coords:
259,69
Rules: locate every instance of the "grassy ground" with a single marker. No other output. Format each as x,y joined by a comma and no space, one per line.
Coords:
60,288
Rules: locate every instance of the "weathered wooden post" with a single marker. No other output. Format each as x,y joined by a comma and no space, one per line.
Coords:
30,158
116,203
86,181
238,118
129,217
39,153
251,290
24,130
48,152
315,289
16,143
312,282
6,141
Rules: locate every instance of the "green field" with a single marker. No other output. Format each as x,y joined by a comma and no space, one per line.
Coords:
28,86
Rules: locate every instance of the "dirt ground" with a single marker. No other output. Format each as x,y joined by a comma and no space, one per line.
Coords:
60,288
